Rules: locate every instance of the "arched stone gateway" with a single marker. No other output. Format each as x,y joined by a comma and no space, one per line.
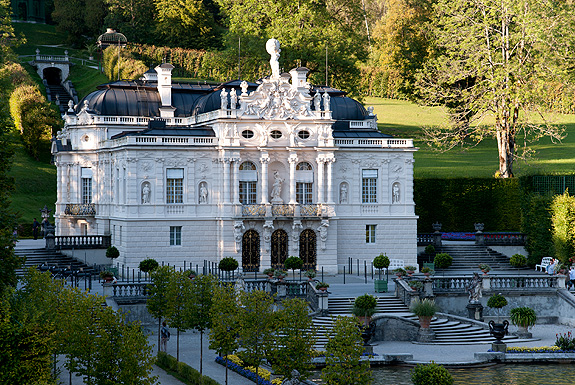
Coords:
279,248
52,75
308,249
251,251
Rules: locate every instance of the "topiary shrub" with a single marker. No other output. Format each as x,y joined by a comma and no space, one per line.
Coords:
497,301
293,263
148,265
112,252
429,249
364,305
518,260
431,374
443,260
228,264
381,261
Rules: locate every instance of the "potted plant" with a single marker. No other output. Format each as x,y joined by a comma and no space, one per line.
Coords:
148,265
228,264
523,318
443,260
280,274
424,309
497,329
399,272
381,262
191,274
322,286
415,285
430,249
518,260
269,272
410,270
107,276
426,271
364,307
485,268
310,274
293,263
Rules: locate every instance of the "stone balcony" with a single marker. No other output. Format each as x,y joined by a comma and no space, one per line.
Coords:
287,210
80,209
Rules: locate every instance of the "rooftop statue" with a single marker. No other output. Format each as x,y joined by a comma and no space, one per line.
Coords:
273,48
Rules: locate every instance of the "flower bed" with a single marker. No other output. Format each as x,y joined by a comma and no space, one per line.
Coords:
540,349
234,363
458,236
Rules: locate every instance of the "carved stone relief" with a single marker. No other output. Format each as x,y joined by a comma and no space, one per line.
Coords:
239,229
322,229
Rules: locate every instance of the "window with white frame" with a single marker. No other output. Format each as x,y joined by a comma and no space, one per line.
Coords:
248,179
175,235
370,233
86,185
175,185
369,186
304,183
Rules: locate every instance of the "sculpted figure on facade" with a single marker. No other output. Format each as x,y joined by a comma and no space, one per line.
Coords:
233,99
273,48
203,193
343,193
317,101
395,193
146,191
326,102
238,233
224,99
322,229
277,188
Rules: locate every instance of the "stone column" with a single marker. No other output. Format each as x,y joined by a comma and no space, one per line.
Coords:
320,164
329,162
292,164
264,186
226,183
235,181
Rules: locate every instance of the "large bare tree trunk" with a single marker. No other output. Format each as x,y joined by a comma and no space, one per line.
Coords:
506,149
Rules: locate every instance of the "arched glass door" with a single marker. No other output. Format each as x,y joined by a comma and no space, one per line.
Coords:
251,251
308,249
279,248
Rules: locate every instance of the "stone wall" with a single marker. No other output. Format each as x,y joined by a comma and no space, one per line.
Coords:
391,328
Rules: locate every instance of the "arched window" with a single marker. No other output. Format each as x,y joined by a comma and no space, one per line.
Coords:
248,183
304,183
251,251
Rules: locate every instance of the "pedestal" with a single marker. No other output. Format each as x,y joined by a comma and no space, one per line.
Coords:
499,347
425,335
475,311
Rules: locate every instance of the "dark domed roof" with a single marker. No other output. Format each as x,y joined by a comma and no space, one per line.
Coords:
344,108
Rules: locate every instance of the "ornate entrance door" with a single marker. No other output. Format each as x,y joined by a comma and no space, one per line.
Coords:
308,249
251,251
279,248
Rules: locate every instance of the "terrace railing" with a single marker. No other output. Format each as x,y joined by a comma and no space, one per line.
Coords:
66,242
499,283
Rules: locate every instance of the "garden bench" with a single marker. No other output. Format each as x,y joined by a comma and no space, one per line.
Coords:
543,265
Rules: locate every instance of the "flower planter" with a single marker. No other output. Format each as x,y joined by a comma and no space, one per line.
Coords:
498,330
380,285
424,321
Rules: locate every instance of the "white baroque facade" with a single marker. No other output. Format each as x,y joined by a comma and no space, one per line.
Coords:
183,172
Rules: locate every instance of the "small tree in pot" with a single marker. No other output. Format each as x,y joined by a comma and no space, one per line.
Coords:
498,330
381,262
228,264
364,307
148,265
112,252
293,263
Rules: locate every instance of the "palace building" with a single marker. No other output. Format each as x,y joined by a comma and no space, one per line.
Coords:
257,171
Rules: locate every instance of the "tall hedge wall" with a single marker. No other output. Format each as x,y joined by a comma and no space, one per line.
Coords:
460,203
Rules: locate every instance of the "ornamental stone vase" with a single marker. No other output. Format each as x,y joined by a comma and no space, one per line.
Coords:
498,330
424,321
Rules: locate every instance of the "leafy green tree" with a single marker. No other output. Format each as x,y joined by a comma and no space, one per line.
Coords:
157,303
295,339
178,292
304,28
343,351
69,18
224,314
199,305
563,226
134,18
9,39
185,23
256,326
536,224
489,59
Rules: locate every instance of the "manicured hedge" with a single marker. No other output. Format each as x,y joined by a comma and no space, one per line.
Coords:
190,375
460,203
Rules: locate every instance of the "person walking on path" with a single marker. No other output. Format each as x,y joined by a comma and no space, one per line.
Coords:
35,228
164,337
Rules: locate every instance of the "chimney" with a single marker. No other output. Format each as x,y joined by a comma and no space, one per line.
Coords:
299,77
164,72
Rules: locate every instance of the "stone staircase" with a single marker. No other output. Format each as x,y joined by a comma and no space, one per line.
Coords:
447,332
468,257
58,93
57,261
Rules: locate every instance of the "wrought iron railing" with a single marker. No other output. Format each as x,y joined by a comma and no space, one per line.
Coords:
82,241
282,210
310,210
254,210
85,209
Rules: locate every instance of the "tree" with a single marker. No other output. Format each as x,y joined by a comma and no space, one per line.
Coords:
199,305
157,302
178,292
9,39
295,339
305,29
134,18
343,351
186,23
256,326
69,18
563,226
224,315
490,57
